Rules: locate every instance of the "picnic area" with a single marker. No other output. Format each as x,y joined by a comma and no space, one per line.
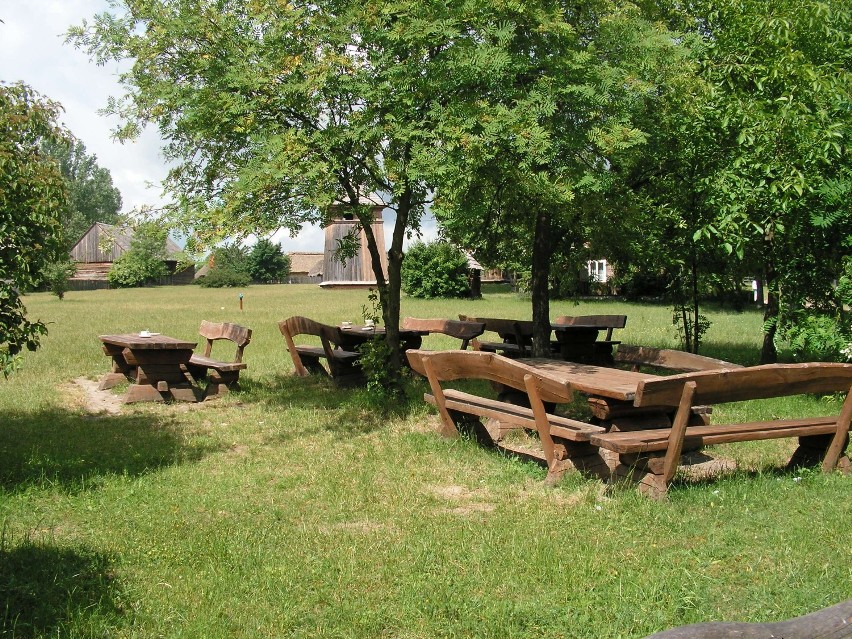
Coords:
258,502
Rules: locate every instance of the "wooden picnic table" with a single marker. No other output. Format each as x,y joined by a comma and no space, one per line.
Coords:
155,365
597,381
351,337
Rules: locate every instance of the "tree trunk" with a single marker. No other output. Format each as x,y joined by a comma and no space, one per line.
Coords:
541,255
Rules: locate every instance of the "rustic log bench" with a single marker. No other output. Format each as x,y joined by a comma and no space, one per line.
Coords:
516,336
564,441
655,453
343,365
461,330
222,375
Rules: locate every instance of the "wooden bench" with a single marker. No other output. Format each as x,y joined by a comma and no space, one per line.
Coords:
656,452
221,375
461,330
516,336
597,351
343,366
668,359
564,441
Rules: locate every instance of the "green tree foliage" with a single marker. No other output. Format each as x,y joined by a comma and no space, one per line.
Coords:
230,267
268,263
782,79
56,276
145,260
91,194
436,269
530,174
32,197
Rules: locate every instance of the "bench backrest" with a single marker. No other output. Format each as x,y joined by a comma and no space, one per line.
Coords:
603,322
298,325
740,384
239,335
668,359
518,332
465,331
440,366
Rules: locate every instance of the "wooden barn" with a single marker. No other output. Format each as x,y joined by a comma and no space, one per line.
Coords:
102,244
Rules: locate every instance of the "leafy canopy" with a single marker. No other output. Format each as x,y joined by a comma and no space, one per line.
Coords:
32,198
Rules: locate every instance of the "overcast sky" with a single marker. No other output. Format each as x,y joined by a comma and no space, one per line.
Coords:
32,50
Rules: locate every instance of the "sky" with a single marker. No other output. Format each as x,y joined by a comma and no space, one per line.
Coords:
32,50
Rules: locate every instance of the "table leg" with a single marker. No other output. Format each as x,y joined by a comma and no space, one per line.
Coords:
161,375
122,371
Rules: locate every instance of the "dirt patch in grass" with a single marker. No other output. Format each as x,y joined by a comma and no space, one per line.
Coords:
466,501
84,393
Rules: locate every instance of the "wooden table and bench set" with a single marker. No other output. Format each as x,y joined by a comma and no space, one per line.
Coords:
162,368
644,421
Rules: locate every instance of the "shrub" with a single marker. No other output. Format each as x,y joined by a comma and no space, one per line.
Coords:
437,269
56,276
224,277
267,263
144,262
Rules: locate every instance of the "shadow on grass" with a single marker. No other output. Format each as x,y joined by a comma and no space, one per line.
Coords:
342,411
75,452
49,591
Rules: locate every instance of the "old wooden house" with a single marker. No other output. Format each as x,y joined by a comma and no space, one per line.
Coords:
102,244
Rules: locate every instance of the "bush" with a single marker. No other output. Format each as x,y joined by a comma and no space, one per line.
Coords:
145,260
437,269
56,276
267,263
224,277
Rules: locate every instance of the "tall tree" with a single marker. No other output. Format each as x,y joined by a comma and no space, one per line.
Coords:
533,159
91,194
32,197
273,111
782,74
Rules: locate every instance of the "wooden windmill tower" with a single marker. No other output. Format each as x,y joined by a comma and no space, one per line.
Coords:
357,271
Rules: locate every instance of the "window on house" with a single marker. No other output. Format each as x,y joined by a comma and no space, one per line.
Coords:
597,270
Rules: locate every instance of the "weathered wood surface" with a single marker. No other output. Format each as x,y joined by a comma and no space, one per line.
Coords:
461,330
668,359
222,376
733,385
516,335
834,622
343,366
599,381
157,364
558,435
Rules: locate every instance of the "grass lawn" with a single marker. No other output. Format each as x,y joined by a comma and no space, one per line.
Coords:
292,509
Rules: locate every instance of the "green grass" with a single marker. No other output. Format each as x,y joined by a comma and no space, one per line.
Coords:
293,509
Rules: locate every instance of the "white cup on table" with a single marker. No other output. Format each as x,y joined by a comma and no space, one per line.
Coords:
370,323
346,324
144,333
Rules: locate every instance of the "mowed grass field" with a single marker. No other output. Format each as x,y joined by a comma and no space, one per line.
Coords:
294,509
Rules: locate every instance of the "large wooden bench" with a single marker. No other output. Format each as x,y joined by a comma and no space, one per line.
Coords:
461,330
564,441
343,365
655,453
222,375
515,335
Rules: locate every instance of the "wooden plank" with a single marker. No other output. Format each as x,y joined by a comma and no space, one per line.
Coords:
755,382
658,439
668,359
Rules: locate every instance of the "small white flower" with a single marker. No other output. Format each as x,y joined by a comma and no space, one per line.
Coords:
797,479
598,507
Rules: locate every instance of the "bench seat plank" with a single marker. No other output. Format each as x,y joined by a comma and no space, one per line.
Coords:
200,360
522,416
658,439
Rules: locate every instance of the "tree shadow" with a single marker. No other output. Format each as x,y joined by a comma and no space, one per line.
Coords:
49,591
346,412
75,452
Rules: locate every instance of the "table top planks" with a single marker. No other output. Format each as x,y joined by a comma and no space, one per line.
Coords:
599,381
134,341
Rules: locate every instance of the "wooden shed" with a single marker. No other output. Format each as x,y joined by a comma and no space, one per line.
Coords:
356,272
102,244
